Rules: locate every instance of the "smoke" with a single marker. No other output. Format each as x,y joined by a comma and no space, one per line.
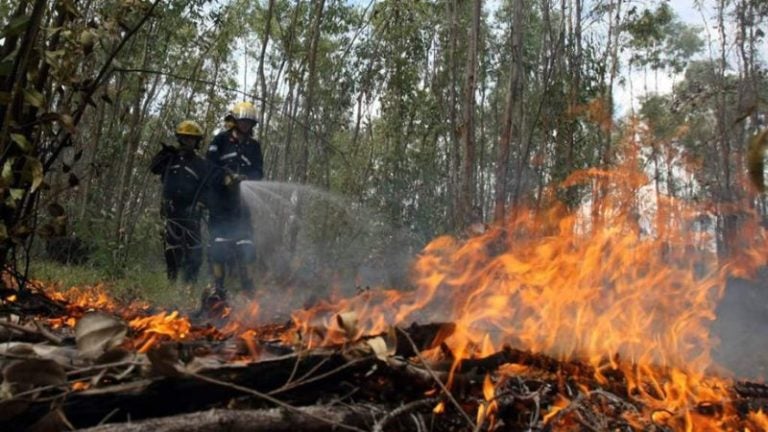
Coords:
312,245
741,326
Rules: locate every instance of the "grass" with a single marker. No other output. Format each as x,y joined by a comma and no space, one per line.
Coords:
136,283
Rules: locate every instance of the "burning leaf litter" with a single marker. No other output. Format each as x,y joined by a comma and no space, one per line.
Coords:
590,319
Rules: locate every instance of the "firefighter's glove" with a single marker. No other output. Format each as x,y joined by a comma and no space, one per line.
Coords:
232,180
169,148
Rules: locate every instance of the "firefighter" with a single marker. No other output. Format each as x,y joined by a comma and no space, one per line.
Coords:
183,174
239,155
235,149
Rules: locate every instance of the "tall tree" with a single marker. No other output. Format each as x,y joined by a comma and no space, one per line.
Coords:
511,108
468,127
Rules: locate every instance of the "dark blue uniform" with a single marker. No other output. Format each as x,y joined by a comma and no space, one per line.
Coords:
184,175
236,156
230,224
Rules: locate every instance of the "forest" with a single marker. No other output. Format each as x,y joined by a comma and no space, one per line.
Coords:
432,114
542,168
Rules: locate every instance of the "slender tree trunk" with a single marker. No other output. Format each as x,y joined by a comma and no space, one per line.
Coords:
126,173
481,178
468,129
729,219
611,53
290,107
575,88
614,49
90,149
262,78
309,101
512,100
454,151
126,170
273,96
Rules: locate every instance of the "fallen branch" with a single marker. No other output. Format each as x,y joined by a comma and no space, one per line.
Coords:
437,380
266,420
273,400
413,406
40,334
306,379
50,337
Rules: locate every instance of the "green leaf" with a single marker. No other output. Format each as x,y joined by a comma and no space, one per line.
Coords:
34,98
33,172
22,142
69,6
16,26
16,194
52,56
7,175
67,122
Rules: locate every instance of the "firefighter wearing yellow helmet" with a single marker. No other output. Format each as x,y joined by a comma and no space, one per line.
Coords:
239,154
235,149
182,173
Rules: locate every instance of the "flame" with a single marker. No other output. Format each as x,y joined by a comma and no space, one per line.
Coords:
85,297
439,408
485,410
249,337
560,404
80,385
627,281
155,327
759,419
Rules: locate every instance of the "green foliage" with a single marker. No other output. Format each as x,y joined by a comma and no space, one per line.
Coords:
95,97
659,40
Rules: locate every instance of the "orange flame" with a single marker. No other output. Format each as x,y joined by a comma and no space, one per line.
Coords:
630,279
760,421
485,410
154,327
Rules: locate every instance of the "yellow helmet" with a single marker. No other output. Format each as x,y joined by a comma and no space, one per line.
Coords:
190,128
244,111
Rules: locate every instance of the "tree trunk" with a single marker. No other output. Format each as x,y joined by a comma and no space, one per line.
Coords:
468,128
454,152
512,100
262,78
312,65
126,169
90,149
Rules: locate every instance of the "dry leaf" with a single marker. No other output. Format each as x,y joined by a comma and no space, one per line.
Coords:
379,347
22,375
114,355
97,332
348,322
